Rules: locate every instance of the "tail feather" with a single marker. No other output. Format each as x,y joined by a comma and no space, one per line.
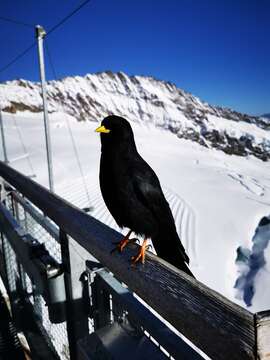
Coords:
183,266
169,247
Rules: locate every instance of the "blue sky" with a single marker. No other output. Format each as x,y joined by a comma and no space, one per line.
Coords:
216,49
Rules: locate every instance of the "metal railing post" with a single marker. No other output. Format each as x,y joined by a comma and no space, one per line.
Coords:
101,309
76,315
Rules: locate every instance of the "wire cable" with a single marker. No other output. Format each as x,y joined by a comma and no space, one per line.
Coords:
20,138
23,146
67,17
17,57
16,22
75,150
50,59
61,22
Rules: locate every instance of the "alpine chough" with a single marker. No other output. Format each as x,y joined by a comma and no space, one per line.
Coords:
133,195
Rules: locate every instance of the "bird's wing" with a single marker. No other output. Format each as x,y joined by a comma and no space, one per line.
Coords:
148,190
149,193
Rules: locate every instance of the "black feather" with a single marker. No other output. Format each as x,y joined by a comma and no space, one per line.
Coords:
133,195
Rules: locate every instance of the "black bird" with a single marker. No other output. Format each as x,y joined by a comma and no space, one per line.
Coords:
133,195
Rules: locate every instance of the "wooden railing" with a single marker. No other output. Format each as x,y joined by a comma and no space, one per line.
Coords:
220,328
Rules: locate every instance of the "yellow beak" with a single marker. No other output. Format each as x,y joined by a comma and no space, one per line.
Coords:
102,129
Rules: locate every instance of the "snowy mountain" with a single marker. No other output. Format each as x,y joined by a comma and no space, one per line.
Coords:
146,100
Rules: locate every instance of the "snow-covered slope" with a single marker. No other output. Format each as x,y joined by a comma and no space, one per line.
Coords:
147,100
218,200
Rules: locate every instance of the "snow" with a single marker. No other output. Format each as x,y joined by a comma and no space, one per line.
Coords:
217,199
238,129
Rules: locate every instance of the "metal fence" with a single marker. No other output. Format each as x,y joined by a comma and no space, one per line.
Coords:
69,305
21,288
111,309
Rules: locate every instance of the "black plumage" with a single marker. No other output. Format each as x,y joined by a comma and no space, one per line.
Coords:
132,192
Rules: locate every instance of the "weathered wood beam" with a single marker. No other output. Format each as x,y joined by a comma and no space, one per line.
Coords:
262,322
220,328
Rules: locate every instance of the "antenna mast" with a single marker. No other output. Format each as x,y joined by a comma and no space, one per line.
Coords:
40,34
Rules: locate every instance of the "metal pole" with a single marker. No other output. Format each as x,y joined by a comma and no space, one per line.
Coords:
3,138
40,34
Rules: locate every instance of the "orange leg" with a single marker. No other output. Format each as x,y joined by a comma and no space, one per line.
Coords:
123,243
141,253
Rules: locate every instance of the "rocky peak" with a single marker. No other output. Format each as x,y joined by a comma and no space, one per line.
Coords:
148,100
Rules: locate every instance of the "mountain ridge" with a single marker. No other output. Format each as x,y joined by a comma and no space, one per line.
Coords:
148,100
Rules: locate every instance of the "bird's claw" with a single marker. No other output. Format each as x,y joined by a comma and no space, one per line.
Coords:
137,258
120,245
141,254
